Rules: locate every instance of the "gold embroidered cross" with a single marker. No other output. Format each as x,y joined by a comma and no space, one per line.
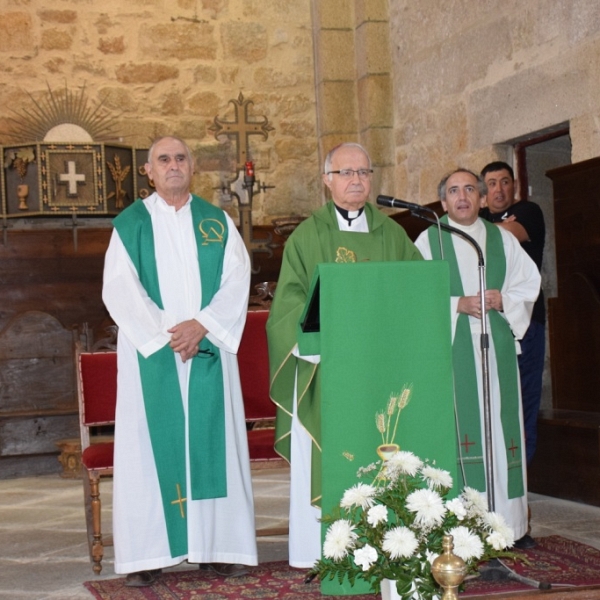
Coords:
180,501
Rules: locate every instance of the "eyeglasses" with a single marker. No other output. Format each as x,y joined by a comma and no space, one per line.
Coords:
349,173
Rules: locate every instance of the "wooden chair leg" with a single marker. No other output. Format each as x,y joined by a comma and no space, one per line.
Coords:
87,504
97,545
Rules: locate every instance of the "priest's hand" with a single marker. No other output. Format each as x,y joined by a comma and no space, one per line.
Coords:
469,305
493,300
186,337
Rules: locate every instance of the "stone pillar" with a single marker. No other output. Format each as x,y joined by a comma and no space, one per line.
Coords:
353,79
374,86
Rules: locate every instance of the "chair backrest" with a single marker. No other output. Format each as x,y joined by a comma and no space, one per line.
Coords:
96,390
253,360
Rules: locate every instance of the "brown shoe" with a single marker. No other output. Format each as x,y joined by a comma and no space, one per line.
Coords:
142,578
225,569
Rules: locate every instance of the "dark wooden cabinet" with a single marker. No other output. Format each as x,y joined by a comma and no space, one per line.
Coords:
567,462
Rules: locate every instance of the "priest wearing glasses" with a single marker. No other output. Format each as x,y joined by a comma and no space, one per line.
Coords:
346,229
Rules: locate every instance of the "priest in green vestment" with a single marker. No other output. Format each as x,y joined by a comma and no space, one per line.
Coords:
512,286
347,229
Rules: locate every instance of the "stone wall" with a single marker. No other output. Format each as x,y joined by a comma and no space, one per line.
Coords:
477,76
171,66
424,89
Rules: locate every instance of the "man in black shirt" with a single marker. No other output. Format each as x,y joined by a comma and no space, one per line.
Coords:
525,220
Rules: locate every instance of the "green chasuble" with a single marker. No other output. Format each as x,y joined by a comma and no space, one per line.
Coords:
160,383
470,443
317,240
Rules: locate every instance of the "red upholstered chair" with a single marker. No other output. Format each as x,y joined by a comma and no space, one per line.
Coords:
253,360
97,395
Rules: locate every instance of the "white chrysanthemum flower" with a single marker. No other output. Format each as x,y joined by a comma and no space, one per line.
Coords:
400,542
339,539
360,495
497,541
404,462
467,544
365,557
377,514
431,556
456,507
494,521
437,478
502,534
475,502
428,507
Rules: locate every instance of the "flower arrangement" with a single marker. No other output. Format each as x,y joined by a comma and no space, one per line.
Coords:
393,527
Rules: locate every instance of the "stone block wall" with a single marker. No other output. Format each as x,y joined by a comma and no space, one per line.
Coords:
170,67
474,78
423,88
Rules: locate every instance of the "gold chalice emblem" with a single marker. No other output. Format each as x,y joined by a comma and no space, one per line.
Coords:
386,451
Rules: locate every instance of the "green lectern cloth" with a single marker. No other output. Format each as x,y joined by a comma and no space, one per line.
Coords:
383,326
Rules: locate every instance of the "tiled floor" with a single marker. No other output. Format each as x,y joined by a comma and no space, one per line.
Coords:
43,547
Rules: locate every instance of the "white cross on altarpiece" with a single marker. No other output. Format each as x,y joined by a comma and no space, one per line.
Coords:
72,178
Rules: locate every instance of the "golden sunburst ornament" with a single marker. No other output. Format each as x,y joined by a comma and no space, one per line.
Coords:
65,117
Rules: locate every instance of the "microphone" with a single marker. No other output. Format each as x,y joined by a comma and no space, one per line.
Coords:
395,203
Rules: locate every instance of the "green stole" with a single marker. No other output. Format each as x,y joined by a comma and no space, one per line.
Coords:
465,376
160,383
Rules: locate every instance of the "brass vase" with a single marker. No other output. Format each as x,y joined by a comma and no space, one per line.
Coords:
449,570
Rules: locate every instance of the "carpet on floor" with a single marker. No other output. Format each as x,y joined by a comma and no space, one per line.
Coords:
555,560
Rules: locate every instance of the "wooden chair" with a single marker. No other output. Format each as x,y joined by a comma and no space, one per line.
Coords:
97,395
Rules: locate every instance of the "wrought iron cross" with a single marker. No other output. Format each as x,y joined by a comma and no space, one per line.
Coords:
241,128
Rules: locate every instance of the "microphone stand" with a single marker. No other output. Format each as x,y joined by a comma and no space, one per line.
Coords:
415,212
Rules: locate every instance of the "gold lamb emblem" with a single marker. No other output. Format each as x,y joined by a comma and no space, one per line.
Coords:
212,230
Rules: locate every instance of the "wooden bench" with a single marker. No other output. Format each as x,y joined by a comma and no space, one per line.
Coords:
38,403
